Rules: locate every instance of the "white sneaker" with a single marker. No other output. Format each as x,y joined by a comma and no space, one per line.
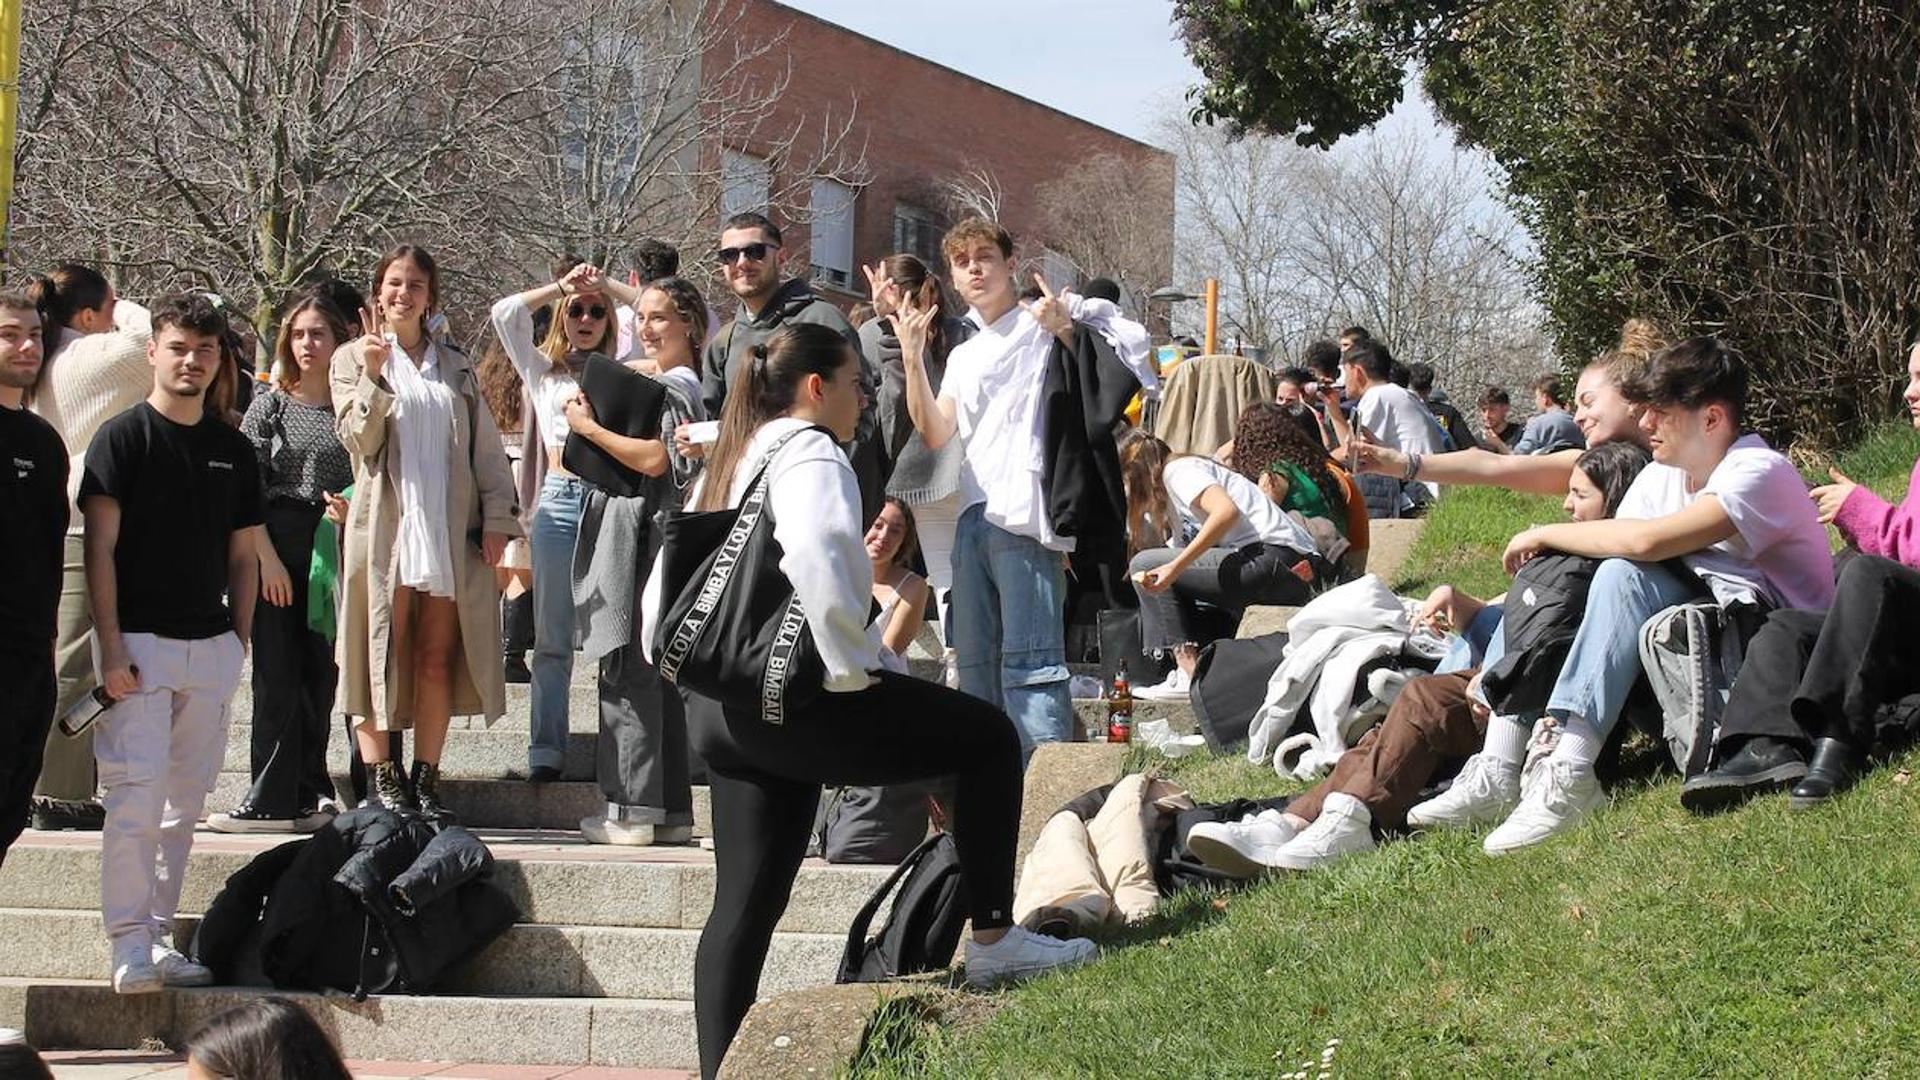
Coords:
12,1037
1565,793
1484,792
177,970
1175,687
133,970
1243,848
1022,954
604,830
1343,828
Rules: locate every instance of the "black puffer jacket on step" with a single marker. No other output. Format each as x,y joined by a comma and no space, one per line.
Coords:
376,902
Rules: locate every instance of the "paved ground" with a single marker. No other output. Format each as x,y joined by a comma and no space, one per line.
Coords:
128,1064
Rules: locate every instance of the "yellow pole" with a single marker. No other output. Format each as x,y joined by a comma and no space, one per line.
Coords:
9,105
1213,316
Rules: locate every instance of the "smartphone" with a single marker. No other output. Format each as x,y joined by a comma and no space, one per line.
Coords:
704,432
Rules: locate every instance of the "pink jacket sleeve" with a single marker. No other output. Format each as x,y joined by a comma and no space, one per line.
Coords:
1877,527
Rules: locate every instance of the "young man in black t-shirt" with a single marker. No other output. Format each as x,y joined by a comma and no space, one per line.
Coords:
33,526
169,495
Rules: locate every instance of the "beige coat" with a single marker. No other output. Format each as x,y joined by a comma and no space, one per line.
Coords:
480,498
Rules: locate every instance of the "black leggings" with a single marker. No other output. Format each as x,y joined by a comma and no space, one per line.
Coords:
766,782
293,680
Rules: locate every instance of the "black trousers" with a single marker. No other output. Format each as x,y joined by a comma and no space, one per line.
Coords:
1826,675
1228,579
766,782
26,714
293,680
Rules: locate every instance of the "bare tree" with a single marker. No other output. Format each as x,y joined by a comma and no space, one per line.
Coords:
250,145
1384,232
1108,214
975,192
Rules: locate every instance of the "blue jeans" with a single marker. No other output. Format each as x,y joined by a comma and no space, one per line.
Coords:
556,525
1604,660
1009,629
1470,647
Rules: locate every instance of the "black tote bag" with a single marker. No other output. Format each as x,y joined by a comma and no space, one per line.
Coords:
731,627
626,403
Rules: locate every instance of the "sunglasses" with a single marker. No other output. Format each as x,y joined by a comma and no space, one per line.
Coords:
586,311
753,252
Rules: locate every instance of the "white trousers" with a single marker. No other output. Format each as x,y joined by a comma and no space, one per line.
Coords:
159,751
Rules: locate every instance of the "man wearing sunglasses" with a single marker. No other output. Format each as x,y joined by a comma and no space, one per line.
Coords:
752,260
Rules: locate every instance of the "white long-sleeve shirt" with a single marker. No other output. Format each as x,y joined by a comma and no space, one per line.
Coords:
548,388
92,378
815,502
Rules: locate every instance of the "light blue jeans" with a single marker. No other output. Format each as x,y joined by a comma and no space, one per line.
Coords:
1009,629
1604,660
556,525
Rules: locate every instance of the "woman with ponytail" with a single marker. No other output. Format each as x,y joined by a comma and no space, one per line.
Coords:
96,369
583,325
801,392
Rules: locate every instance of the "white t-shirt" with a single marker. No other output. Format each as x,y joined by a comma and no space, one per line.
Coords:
1399,419
1778,551
547,387
994,379
1261,521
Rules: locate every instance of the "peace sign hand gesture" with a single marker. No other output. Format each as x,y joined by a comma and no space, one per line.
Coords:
373,342
1050,311
885,291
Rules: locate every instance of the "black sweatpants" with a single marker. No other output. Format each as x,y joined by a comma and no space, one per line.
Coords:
1819,675
766,781
26,714
1226,578
293,679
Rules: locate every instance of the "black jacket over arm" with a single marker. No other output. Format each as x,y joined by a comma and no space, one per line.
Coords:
1083,399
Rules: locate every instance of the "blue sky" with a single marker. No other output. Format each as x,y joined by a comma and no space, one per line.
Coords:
1108,61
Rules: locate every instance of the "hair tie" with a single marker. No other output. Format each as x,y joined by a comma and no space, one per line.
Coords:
759,354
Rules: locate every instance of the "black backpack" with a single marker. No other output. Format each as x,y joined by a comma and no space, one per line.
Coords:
923,928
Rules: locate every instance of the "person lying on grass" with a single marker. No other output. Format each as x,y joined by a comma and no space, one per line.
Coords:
1806,710
1736,516
1432,721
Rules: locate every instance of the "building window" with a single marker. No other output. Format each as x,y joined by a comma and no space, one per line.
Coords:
832,243
916,232
746,184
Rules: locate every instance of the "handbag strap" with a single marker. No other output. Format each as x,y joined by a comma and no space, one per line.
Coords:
724,562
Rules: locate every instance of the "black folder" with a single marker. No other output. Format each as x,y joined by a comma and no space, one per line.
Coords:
624,402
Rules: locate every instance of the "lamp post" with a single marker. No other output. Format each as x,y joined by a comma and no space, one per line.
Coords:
1173,295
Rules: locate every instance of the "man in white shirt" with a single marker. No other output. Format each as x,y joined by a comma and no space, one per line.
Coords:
1009,579
1392,416
1733,510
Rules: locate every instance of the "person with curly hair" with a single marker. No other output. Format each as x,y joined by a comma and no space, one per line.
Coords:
1275,451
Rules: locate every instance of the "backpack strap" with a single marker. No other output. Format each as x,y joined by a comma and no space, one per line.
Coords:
850,960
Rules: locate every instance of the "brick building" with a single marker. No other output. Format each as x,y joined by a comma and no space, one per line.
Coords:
924,125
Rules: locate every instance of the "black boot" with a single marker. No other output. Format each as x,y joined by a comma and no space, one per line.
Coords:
1836,767
389,787
1762,764
426,791
516,636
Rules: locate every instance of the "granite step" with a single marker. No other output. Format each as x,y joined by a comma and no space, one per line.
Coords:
555,878
494,802
614,1032
526,961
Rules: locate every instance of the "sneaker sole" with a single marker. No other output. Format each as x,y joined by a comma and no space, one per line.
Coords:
1703,793
1221,856
1011,978
1494,818
141,987
1299,864
1507,849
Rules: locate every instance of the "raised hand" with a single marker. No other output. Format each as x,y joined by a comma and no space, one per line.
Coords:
582,278
884,290
1049,311
912,325
373,342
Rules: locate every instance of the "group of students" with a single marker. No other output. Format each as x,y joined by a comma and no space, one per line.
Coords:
1674,502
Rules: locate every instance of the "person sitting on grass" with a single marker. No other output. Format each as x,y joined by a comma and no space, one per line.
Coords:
1434,719
1806,709
1722,502
1244,550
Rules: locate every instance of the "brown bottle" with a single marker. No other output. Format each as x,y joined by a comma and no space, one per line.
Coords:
1120,707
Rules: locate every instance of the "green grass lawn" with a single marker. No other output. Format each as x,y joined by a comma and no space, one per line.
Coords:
1647,943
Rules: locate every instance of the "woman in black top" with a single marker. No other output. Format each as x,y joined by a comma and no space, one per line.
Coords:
303,468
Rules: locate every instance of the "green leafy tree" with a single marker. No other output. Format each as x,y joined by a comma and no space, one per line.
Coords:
1741,167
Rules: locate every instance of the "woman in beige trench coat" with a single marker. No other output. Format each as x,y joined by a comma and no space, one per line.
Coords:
409,658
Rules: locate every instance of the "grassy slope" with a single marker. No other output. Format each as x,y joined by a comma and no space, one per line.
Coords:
1647,943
